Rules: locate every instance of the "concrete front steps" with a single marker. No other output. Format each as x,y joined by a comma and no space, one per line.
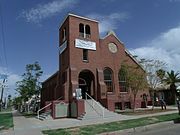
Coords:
94,111
45,116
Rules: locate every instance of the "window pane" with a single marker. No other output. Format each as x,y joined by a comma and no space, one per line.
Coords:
85,54
81,28
122,81
87,28
108,80
64,34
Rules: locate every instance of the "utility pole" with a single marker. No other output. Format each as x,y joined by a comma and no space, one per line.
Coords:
2,94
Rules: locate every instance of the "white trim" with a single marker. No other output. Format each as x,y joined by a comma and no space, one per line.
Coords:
114,36
81,17
130,55
85,18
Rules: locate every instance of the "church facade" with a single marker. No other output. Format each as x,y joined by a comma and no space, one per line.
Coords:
90,66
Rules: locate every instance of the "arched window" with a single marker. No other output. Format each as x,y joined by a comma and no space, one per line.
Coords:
122,80
64,34
108,79
84,31
82,81
88,31
81,30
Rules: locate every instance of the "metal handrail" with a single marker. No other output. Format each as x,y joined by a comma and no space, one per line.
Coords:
46,107
43,109
58,98
95,102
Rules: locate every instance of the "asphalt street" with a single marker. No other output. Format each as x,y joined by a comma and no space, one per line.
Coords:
162,129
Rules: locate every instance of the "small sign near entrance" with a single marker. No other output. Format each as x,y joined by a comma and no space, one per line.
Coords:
78,93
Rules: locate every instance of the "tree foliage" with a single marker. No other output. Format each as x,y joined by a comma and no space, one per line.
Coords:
30,84
136,79
172,78
155,71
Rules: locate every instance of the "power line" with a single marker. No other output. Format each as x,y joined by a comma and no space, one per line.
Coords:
3,37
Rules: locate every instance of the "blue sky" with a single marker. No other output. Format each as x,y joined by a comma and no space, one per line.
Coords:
148,28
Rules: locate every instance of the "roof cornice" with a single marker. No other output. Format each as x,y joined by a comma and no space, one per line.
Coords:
77,16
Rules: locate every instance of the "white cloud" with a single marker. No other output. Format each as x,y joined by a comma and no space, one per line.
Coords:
169,40
43,11
109,22
166,47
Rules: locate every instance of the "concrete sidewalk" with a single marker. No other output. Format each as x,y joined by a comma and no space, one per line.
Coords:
22,126
33,126
68,123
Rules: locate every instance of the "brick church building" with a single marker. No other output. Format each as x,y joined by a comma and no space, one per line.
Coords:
90,64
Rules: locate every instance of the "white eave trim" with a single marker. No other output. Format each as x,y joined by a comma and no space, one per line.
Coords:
49,78
134,59
115,37
85,18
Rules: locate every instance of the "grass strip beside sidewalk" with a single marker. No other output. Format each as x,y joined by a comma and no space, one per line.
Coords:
29,115
113,126
6,121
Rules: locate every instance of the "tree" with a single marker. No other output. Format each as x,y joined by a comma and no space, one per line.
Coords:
161,74
136,79
30,84
172,78
17,102
155,71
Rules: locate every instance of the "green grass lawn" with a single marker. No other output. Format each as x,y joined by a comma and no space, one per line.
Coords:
113,126
6,121
9,109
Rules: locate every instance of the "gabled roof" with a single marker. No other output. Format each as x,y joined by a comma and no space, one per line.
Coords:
126,51
134,59
55,74
111,32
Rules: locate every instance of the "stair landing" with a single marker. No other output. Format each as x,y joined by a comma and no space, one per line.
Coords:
94,111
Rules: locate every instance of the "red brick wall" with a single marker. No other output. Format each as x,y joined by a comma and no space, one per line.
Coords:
72,64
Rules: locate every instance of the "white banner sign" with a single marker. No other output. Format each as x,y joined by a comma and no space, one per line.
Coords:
85,44
63,47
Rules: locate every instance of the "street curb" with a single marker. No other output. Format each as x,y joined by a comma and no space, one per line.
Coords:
139,129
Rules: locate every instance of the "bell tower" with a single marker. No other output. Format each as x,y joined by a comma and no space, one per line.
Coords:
79,47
